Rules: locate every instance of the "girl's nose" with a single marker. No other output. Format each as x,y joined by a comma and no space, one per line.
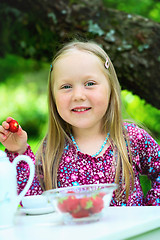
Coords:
79,94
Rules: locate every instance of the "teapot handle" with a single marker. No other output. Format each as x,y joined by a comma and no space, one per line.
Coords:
31,176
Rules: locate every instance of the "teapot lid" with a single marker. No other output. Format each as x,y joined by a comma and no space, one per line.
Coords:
2,154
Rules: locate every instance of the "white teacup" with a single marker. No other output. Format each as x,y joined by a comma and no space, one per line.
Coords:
35,201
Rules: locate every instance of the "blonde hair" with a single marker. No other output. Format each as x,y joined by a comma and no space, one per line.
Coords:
52,146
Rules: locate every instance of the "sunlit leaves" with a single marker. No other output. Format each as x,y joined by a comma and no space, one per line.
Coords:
146,8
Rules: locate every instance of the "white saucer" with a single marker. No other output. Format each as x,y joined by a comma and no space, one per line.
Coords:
36,211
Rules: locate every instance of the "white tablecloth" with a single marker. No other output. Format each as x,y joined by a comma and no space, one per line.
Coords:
118,223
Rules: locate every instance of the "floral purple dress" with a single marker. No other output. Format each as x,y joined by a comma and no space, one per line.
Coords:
77,168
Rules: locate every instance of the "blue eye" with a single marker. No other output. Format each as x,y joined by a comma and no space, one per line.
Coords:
90,84
66,87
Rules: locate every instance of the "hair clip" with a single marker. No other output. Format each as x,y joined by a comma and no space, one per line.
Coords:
51,68
106,63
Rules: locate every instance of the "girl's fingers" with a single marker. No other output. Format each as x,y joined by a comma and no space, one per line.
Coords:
9,119
19,130
5,125
2,137
3,130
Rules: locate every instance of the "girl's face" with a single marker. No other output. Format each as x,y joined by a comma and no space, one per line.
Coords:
81,90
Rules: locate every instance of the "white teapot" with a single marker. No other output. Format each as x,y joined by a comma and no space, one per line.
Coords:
9,199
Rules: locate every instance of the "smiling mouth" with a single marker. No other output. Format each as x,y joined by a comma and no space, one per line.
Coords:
81,109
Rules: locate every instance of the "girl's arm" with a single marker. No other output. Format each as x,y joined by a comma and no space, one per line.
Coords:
23,173
16,144
148,153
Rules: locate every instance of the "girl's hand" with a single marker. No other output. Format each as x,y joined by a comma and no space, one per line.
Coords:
14,142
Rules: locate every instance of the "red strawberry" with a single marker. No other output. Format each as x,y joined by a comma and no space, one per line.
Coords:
72,203
98,204
101,194
13,126
62,205
86,203
81,213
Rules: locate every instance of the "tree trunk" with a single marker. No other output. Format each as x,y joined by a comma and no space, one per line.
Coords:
37,28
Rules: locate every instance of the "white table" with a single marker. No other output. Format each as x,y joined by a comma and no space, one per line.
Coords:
119,223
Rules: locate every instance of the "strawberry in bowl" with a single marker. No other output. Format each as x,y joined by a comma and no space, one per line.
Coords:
84,203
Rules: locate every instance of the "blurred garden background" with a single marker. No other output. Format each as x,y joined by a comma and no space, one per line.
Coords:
23,85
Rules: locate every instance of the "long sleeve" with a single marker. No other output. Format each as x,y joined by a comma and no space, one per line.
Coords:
147,162
23,173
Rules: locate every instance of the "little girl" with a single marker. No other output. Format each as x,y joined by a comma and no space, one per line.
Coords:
87,141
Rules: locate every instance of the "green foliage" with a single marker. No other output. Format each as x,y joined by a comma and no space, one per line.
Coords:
146,8
23,95
142,113
13,66
145,183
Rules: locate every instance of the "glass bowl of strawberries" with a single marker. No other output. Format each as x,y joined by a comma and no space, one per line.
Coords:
83,203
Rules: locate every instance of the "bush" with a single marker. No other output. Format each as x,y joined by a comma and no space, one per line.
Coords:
23,95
